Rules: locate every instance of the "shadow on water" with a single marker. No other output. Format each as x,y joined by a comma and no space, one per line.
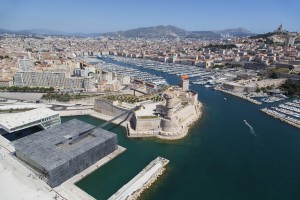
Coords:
22,133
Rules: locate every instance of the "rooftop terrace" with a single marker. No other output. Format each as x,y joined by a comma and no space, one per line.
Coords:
62,143
39,116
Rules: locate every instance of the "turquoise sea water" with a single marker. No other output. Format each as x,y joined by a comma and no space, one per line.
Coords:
220,159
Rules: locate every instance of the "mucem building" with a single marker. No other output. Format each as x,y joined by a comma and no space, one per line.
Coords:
65,150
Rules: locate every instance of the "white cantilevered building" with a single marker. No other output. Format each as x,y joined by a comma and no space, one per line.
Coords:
42,117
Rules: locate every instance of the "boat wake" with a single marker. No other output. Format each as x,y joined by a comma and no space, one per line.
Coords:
252,131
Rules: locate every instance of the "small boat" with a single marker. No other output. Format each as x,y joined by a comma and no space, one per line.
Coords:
245,121
225,99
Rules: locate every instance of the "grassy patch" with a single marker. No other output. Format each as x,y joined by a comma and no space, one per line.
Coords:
148,117
128,98
66,97
15,110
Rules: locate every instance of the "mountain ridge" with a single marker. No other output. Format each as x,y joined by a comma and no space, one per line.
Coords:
160,31
169,31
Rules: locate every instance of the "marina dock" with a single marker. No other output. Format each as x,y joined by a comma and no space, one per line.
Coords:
288,112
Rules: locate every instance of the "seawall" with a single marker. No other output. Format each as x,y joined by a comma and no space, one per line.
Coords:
108,108
240,96
142,181
268,112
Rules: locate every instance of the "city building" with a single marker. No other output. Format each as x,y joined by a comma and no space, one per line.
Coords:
290,41
26,65
6,83
57,80
63,151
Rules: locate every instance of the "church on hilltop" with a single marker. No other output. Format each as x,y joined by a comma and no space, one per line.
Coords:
280,29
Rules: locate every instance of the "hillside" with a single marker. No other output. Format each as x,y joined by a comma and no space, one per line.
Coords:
46,32
161,31
175,32
277,37
204,35
151,32
237,32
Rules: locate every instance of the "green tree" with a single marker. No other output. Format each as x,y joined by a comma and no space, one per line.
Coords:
291,88
51,89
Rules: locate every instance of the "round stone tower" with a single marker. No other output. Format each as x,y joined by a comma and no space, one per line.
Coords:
169,106
169,122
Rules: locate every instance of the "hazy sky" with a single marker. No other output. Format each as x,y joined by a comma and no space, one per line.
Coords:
111,15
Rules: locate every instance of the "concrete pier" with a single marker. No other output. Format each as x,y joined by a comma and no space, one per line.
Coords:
240,96
143,180
69,188
268,112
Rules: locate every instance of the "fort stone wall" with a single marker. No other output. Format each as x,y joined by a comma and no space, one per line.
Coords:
145,124
108,108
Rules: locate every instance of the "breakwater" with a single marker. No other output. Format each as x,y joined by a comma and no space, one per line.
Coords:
240,96
142,181
280,116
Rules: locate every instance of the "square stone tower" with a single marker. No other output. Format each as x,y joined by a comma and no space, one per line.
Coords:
184,83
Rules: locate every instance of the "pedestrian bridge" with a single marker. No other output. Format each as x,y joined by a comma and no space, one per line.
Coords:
117,117
124,113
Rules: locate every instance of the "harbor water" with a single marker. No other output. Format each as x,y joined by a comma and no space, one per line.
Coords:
220,159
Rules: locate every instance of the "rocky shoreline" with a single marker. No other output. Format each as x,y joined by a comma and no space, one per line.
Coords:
142,181
138,193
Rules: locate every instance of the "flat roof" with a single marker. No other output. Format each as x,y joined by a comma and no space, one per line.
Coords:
147,109
55,146
18,119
